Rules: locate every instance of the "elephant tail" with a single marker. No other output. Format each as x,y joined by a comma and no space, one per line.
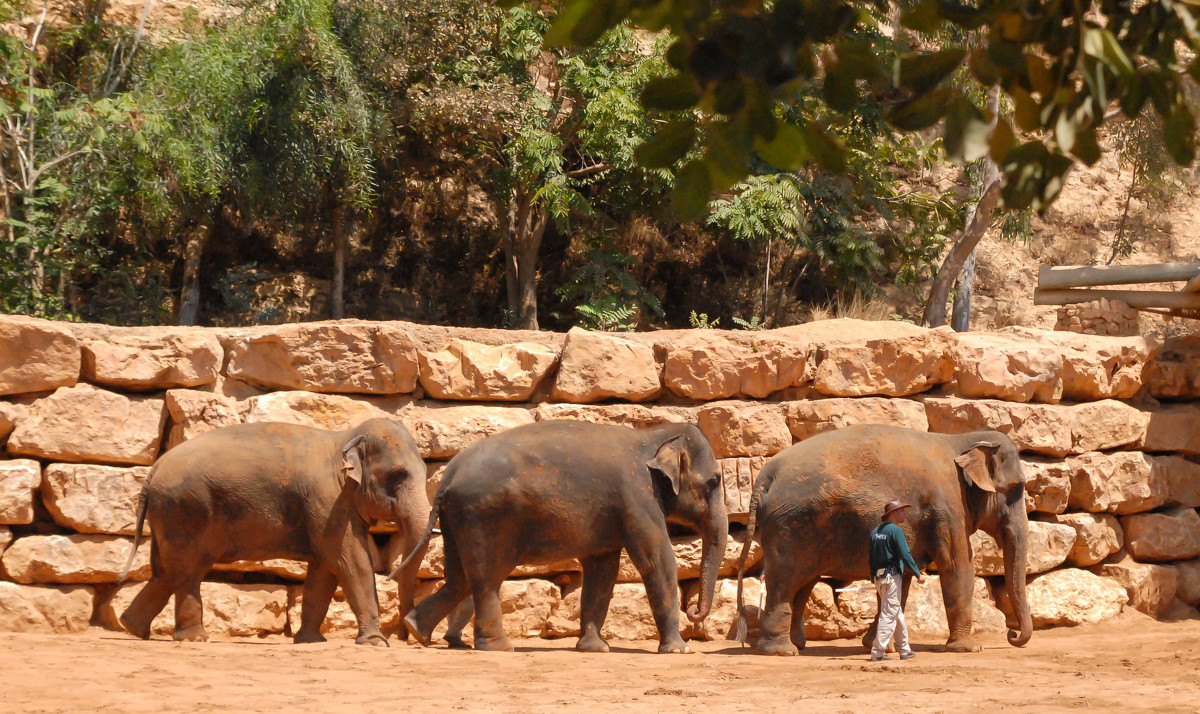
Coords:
419,550
143,502
740,630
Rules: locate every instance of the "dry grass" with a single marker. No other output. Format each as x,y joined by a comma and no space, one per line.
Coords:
857,307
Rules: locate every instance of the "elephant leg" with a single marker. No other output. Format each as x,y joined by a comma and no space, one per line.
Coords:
357,578
319,586
655,560
599,578
189,610
422,619
456,622
782,587
150,601
958,594
799,602
489,619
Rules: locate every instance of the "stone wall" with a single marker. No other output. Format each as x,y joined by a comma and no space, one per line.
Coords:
1105,425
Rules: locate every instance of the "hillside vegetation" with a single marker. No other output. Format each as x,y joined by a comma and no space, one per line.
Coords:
432,161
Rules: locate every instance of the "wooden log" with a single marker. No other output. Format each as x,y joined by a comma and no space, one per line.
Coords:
1058,277
1133,298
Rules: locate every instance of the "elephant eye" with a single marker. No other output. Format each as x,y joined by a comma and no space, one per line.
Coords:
714,483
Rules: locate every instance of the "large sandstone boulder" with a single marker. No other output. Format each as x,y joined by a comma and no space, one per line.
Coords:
1173,534
1048,546
19,481
637,416
6,537
1179,479
629,615
471,371
1173,428
1094,366
1047,485
321,411
925,611
527,605
339,619
94,499
832,615
1187,582
36,355
1005,367
745,428
597,366
442,432
73,559
811,417
193,412
10,414
737,476
1097,536
50,610
688,552
1069,596
1120,482
279,567
230,610
1151,588
83,423
168,358
858,358
1051,429
707,364
1173,370
362,358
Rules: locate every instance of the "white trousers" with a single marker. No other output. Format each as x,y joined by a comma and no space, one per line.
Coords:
891,617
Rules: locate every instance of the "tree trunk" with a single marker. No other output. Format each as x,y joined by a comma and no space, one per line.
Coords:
189,295
961,317
964,244
337,307
523,242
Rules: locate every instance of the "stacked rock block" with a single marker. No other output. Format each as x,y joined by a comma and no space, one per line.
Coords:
1099,317
1107,429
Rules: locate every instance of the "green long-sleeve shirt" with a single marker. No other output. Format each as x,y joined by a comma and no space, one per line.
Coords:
889,549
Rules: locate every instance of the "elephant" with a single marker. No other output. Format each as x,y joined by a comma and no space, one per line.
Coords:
272,490
817,501
554,490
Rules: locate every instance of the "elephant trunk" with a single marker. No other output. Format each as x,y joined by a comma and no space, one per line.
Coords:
411,517
1015,553
713,535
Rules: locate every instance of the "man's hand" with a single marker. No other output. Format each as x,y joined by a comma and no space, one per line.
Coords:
920,578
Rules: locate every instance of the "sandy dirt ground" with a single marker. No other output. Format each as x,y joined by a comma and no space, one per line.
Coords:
1128,664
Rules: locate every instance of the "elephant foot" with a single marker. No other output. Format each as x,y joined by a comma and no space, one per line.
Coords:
410,624
591,642
493,644
304,638
777,649
455,642
191,634
963,646
674,646
373,639
135,628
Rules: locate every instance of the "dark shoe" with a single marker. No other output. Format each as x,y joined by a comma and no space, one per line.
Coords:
908,655
879,658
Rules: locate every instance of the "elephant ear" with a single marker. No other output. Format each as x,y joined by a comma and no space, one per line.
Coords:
974,465
352,460
669,461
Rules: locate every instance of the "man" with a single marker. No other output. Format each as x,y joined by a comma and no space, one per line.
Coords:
889,558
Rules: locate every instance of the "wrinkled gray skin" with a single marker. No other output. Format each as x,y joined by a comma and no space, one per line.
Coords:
258,491
815,504
554,490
